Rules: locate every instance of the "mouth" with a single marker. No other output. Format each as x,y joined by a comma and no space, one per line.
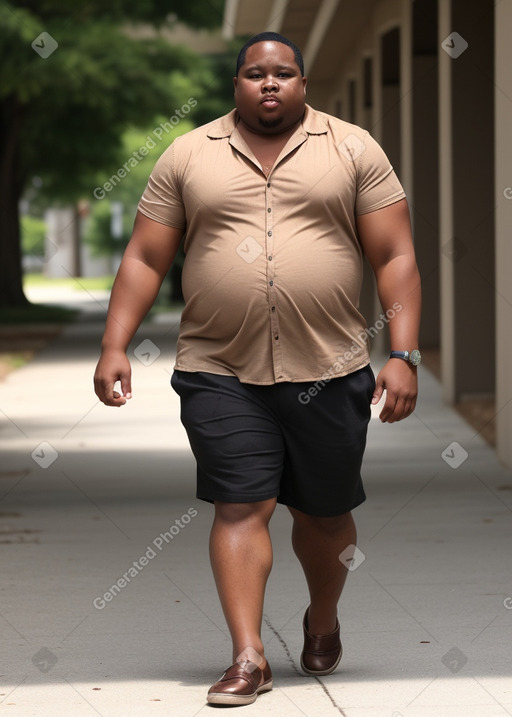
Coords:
270,101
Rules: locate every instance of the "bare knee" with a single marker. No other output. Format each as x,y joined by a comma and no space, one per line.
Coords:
328,526
237,513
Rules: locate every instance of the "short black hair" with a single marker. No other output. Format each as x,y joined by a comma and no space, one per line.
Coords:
269,37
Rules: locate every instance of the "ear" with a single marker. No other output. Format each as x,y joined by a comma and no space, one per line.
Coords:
235,82
304,83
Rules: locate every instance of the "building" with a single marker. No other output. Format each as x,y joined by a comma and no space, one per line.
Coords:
432,81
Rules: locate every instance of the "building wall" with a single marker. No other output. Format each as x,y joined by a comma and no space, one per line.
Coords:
433,112
503,228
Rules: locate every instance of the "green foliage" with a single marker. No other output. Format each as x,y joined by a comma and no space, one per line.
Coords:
36,314
218,99
75,103
68,96
130,188
156,139
33,232
98,233
90,283
207,13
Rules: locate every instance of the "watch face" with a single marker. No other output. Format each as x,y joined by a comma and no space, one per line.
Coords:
415,357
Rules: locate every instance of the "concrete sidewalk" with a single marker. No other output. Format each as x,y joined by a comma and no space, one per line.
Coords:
108,606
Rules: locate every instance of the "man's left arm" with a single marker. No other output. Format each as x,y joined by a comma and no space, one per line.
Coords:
386,238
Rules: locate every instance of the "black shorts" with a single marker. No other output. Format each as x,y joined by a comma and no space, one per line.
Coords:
300,442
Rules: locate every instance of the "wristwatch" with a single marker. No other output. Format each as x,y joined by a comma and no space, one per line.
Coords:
414,356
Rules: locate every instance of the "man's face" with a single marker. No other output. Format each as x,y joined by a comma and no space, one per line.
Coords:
270,91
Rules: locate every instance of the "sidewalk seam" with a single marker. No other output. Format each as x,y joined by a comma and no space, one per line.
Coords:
293,664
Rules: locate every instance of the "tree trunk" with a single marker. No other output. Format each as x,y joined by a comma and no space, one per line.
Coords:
11,185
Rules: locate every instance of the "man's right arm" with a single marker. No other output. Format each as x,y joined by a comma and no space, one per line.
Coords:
145,263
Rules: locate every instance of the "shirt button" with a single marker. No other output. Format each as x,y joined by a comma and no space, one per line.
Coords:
271,283
270,258
276,337
268,184
269,209
273,308
269,234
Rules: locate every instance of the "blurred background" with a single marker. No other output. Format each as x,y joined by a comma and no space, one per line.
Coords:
91,95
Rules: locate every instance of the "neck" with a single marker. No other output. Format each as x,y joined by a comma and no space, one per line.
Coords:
277,133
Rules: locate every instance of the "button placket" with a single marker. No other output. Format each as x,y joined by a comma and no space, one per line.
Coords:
271,288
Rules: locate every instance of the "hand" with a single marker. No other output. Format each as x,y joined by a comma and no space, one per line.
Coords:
113,366
399,379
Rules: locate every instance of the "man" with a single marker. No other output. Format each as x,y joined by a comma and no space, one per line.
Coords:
279,202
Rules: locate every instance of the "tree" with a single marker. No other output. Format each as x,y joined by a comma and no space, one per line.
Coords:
72,78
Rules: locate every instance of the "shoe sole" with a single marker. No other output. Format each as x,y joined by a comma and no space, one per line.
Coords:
320,673
220,698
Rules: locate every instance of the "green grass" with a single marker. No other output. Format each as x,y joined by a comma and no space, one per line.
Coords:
36,314
96,283
16,359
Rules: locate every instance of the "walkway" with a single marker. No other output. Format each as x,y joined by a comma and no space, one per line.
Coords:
108,606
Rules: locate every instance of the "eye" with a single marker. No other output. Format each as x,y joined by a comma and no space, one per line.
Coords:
284,74
254,76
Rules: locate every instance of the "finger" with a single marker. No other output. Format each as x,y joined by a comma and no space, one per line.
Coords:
388,408
394,408
126,386
107,395
408,407
115,394
377,394
398,411
402,410
114,399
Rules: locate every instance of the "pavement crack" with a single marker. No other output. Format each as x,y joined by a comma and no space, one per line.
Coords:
298,672
283,645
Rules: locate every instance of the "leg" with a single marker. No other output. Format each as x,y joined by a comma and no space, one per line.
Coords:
317,543
241,558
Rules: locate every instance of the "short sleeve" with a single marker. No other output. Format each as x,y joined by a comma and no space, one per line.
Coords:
161,199
377,183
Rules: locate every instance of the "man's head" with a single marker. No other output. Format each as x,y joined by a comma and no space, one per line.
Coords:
270,87
270,37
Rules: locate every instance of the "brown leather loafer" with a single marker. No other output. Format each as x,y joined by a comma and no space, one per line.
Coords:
240,684
322,653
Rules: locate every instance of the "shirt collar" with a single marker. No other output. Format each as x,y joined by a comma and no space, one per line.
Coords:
312,123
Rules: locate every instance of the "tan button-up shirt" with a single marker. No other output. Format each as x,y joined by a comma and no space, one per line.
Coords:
273,265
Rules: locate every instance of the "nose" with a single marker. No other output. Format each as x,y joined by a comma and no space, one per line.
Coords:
270,83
